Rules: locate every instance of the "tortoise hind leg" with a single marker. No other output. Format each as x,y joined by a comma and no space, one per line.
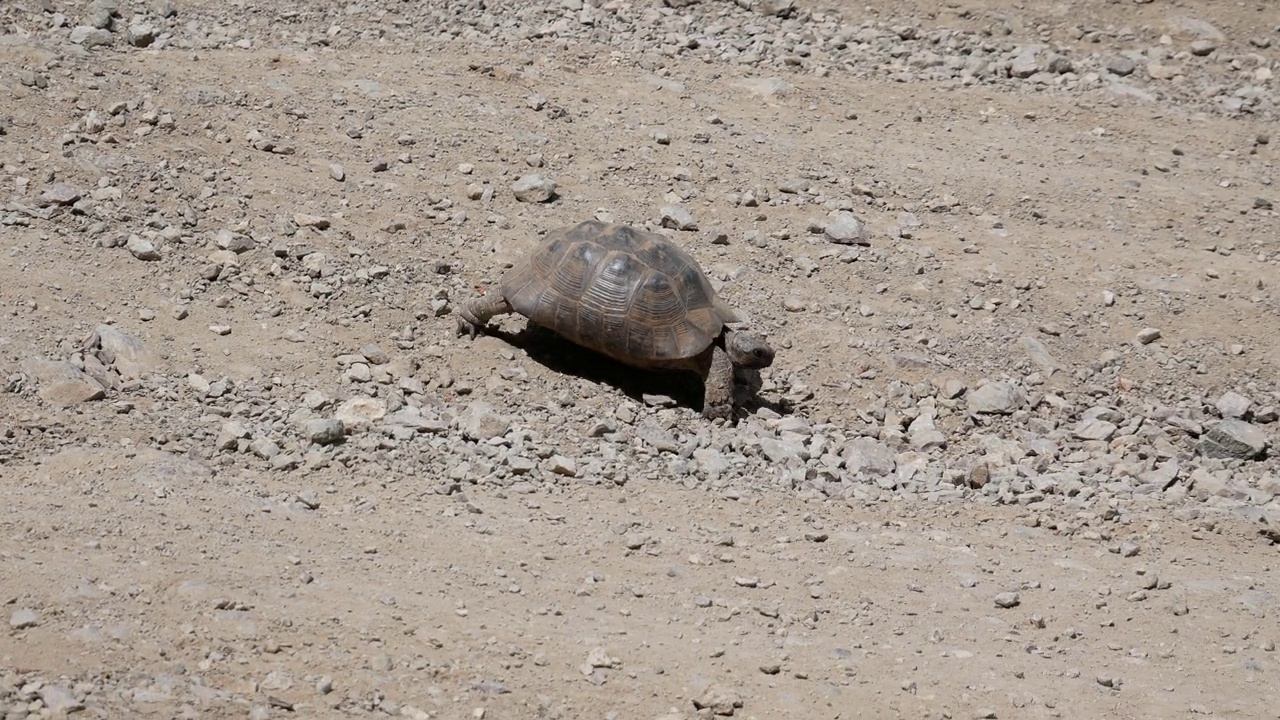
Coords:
476,313
717,401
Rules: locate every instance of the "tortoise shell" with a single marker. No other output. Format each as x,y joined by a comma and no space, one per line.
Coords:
629,294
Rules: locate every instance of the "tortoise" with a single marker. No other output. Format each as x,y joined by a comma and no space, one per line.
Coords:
633,296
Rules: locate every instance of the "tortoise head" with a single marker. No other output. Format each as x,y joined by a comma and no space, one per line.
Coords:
747,350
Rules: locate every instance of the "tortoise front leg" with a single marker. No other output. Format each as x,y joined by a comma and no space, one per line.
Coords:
717,401
476,313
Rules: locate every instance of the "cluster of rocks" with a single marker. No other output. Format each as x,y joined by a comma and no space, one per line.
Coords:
1183,59
1097,455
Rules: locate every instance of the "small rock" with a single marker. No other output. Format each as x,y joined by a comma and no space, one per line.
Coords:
776,8
324,431
562,465
996,398
678,217
89,36
359,412
1007,600
1203,47
845,228
337,172
61,383
1233,405
319,222
534,189
1026,63
864,455
1233,439
718,700
59,701
142,248
233,241
1146,336
24,618
1094,429
478,421
141,35
58,194
1121,65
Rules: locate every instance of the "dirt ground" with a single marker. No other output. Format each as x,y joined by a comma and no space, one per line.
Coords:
1016,458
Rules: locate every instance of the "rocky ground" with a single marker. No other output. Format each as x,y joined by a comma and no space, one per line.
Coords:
1016,457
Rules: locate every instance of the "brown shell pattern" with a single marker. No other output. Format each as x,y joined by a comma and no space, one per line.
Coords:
627,293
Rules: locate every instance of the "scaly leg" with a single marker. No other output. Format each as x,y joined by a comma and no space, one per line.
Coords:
718,383
476,312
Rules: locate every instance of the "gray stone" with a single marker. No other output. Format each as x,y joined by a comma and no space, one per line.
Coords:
264,448
677,217
479,421
1094,429
323,431
779,452
24,618
360,413
142,248
89,36
233,241
1026,63
924,433
777,8
996,398
1233,405
656,437
1007,600
1201,48
1121,65
230,435
59,700
868,456
141,35
1233,439
1146,336
128,355
58,194
1040,354
61,383
534,189
845,228
561,465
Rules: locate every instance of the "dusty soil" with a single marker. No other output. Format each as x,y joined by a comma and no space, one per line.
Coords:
1015,458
